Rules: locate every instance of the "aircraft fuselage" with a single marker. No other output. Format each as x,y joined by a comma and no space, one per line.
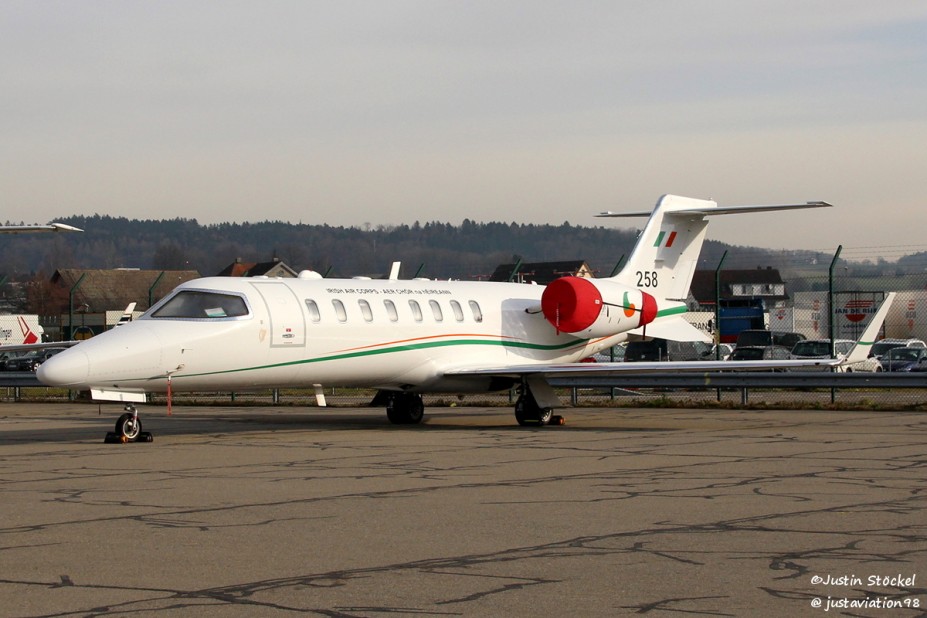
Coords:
241,333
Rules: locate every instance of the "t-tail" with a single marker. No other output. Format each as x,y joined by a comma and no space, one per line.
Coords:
664,259
647,298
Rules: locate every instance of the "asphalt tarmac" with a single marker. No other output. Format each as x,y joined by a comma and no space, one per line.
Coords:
308,511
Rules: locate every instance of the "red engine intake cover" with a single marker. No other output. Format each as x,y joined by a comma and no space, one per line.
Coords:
649,310
571,304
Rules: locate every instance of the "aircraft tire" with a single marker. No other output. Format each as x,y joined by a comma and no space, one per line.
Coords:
406,409
528,414
545,416
128,427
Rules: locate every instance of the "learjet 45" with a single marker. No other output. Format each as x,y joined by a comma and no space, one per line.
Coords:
406,337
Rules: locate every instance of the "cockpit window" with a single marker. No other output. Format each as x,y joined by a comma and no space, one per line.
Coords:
210,305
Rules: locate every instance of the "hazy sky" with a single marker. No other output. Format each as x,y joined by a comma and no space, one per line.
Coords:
388,112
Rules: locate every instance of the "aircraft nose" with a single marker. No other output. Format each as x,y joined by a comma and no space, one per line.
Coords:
70,367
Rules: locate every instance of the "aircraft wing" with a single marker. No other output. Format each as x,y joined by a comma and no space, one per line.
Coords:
573,370
51,227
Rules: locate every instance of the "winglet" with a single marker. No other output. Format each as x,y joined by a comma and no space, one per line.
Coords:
861,350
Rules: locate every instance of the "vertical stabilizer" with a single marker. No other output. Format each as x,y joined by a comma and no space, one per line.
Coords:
664,259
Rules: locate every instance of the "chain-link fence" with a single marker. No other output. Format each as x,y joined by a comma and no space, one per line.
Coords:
825,299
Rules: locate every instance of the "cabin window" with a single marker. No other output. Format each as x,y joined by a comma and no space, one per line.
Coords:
477,312
206,305
365,310
339,310
391,310
313,308
458,312
416,310
436,310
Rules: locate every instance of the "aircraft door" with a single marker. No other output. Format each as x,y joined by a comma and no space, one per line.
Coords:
285,315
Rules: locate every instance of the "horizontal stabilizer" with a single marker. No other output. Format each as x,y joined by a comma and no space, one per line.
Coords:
722,210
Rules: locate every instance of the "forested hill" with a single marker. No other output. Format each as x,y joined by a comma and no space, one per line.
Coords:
468,251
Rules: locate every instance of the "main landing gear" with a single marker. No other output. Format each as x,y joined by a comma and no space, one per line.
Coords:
536,402
528,412
533,408
128,428
405,408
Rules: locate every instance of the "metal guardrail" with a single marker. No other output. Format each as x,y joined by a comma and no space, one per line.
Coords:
742,381
12,379
750,379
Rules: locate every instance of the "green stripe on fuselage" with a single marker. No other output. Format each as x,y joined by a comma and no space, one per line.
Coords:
662,313
395,348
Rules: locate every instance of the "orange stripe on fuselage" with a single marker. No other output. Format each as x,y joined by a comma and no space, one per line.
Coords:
417,339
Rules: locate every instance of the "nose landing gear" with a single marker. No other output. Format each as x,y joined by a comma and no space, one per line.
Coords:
128,428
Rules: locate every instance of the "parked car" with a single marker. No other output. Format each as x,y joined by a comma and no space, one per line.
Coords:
5,356
31,359
820,348
879,348
904,359
760,352
657,349
754,337
868,364
722,351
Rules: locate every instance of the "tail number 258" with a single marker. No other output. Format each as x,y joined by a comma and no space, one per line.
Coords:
646,278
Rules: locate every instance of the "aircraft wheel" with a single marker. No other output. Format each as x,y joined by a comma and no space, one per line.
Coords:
545,416
405,409
129,426
415,410
528,414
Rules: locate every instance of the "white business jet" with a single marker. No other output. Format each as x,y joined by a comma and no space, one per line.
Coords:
30,339
407,337
28,229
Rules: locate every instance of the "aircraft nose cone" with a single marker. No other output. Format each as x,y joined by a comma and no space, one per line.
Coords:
70,367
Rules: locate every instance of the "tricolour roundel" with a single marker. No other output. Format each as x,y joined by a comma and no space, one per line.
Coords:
571,304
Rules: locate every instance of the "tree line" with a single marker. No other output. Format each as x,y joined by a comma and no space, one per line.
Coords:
470,250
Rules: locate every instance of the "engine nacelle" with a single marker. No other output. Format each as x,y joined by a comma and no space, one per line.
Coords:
596,307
